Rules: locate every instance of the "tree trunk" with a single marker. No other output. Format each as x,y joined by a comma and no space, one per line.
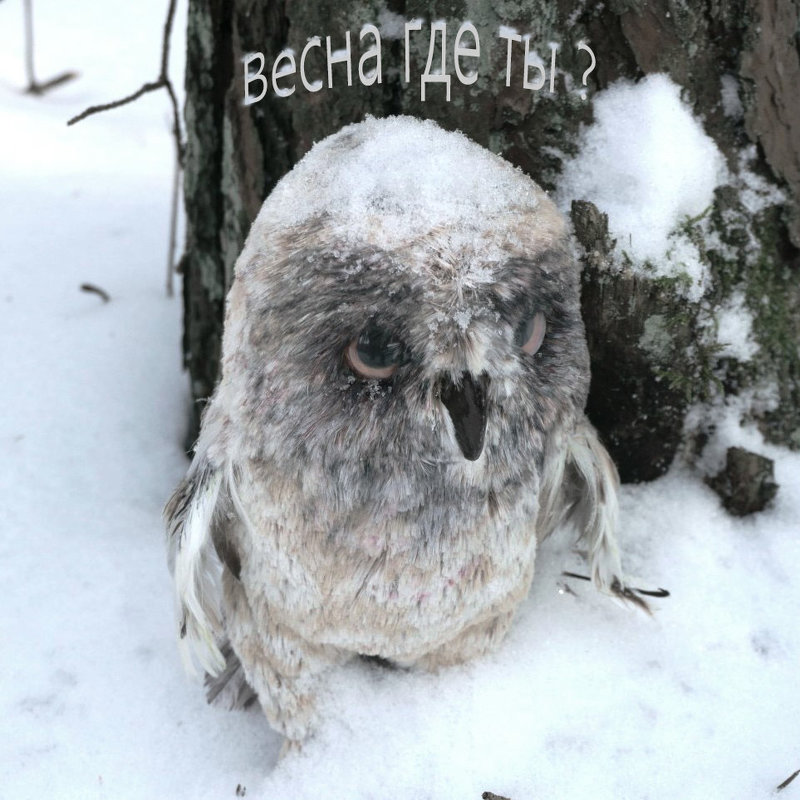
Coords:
652,357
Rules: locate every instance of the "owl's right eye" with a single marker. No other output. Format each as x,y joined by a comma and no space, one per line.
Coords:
530,333
374,353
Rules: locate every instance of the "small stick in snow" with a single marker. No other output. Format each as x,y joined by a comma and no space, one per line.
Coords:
34,87
788,780
492,796
90,287
41,88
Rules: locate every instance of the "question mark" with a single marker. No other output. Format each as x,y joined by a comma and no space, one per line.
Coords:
584,46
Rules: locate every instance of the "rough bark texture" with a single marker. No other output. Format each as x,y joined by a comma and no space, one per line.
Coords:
639,329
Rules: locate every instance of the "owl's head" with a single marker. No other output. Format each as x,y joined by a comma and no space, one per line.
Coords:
405,297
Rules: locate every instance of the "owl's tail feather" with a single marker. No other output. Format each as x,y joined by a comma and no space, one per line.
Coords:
195,567
580,484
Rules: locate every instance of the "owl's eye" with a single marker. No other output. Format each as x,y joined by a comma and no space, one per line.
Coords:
530,333
375,353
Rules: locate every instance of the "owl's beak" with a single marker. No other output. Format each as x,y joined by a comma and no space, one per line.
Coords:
466,402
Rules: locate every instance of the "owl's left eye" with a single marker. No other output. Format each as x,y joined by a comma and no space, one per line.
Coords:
374,353
530,333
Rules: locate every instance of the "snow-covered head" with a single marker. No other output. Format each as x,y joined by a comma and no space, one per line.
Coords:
406,302
391,182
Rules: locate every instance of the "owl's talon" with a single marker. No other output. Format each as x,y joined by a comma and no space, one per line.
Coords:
628,594
653,592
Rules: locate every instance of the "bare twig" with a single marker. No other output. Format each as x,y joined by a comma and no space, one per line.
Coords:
788,781
166,38
34,87
179,147
492,796
162,82
90,287
41,88
29,43
173,228
176,122
146,87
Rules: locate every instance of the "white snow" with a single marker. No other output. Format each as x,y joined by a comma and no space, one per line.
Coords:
391,25
735,329
507,32
729,91
371,178
756,193
647,163
584,699
729,430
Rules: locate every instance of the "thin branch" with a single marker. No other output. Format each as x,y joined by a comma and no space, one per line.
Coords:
41,88
147,87
176,123
163,82
176,117
165,40
29,44
173,227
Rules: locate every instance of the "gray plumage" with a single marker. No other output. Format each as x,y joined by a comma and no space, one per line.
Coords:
328,513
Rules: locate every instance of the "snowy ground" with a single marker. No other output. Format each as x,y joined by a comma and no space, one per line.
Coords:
585,699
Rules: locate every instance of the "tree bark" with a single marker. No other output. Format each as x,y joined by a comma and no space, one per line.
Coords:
639,396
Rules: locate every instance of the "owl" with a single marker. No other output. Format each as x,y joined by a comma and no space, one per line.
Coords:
399,420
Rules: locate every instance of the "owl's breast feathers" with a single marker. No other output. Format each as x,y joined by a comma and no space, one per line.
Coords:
390,578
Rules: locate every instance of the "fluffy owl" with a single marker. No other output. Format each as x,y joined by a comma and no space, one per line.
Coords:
399,421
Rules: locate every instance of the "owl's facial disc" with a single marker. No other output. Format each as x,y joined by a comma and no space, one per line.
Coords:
466,403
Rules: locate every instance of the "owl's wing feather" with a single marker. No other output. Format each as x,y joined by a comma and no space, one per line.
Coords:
597,508
230,688
580,484
195,565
